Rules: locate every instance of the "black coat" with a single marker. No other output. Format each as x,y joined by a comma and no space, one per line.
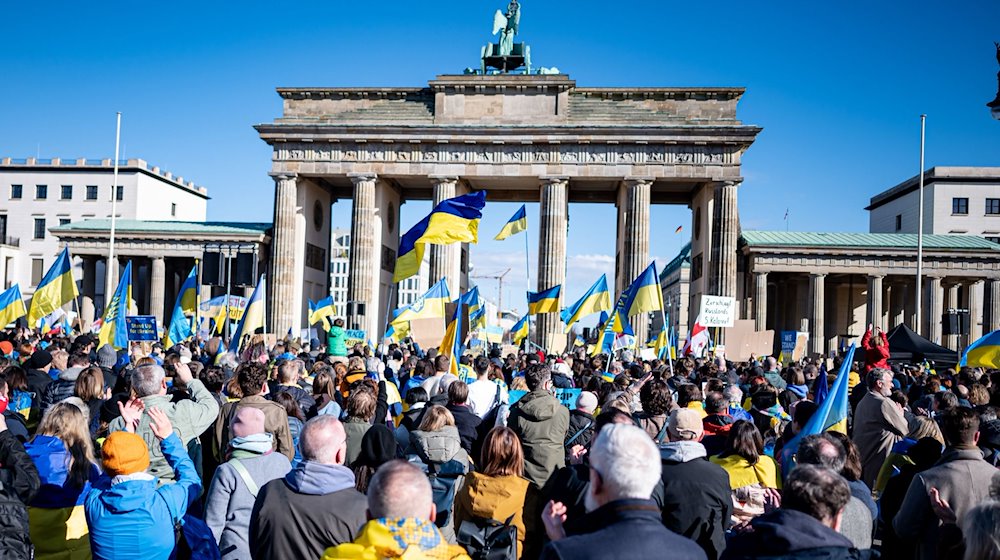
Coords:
37,381
468,425
301,396
579,420
787,534
18,484
623,529
697,501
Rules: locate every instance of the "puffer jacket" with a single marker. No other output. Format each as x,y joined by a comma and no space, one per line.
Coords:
18,484
336,341
58,525
61,388
134,518
541,421
439,447
493,497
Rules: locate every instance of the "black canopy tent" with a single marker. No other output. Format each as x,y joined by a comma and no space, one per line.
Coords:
908,346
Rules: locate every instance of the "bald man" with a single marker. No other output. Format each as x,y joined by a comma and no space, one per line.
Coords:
315,506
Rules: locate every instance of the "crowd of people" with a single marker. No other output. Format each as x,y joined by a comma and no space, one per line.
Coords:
313,450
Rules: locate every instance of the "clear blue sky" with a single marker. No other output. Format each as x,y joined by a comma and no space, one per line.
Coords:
837,86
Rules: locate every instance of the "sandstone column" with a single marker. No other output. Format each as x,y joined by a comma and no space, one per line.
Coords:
157,283
89,288
975,311
817,319
991,293
363,253
445,260
553,209
873,312
935,308
951,302
724,237
898,304
283,309
633,213
760,300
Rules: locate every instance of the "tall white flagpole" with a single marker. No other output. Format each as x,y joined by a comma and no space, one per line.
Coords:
114,208
920,230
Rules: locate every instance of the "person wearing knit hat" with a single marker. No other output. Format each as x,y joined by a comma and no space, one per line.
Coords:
107,357
251,464
37,367
125,518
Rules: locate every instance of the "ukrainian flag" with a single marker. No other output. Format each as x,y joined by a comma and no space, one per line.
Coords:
643,295
546,301
520,330
253,317
187,303
596,299
607,337
516,224
428,306
11,306
477,310
56,289
831,415
320,311
113,330
455,220
984,352
451,344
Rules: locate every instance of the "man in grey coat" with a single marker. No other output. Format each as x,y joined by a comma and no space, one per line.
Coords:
878,424
960,479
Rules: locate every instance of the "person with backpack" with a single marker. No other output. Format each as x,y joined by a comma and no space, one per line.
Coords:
251,464
439,446
19,483
489,506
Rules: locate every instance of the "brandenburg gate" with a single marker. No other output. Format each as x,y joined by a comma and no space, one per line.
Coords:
522,137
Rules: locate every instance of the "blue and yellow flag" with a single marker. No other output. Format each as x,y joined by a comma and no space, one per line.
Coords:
830,416
595,300
546,301
451,344
11,306
455,220
516,224
643,295
113,329
520,330
253,317
984,352
320,311
56,289
477,310
428,306
186,304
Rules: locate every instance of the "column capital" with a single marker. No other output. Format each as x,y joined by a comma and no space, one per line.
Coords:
760,273
876,276
635,181
443,178
284,176
818,274
552,180
363,177
729,182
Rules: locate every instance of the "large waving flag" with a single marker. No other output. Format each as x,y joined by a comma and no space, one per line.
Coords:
546,301
455,220
520,330
516,224
56,289
113,329
644,294
11,305
428,306
984,352
320,311
596,299
186,304
253,317
830,416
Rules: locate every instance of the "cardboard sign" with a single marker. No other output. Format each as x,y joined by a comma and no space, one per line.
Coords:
743,341
141,328
717,311
566,396
427,333
793,344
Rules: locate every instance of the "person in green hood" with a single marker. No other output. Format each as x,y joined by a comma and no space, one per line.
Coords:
336,339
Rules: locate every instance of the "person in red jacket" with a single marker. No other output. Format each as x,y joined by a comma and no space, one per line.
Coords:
876,349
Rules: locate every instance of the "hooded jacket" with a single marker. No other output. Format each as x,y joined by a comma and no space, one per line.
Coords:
791,534
440,446
493,497
336,341
135,519
61,388
391,539
541,421
696,496
313,507
18,484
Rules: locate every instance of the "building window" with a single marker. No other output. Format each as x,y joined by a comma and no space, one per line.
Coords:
15,192
3,227
899,222
120,193
960,206
41,192
173,209
63,221
993,239
993,206
37,269
39,228
91,192
66,192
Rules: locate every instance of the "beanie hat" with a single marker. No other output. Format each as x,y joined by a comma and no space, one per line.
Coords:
378,446
124,453
107,357
39,359
6,348
248,421
587,401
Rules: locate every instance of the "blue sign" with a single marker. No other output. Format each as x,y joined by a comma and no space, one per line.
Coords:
141,328
566,396
788,339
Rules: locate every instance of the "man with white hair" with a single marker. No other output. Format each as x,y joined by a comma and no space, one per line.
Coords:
622,521
314,506
401,512
189,417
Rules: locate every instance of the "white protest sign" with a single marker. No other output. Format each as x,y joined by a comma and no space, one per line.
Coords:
717,311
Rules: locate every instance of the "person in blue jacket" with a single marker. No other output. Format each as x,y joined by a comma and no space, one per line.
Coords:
129,516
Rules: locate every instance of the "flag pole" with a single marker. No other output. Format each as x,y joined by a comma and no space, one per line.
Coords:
920,229
527,263
114,208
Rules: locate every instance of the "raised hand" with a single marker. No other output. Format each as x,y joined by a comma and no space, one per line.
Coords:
161,426
553,517
131,413
942,509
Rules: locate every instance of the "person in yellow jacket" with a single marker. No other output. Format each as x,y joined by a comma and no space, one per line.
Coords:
753,476
401,510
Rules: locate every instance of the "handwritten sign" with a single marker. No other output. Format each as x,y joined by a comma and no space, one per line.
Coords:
566,396
717,311
141,328
355,336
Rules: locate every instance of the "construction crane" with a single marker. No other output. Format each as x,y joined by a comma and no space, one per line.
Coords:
499,279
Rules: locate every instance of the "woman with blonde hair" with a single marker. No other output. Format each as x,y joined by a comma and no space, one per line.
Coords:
981,530
439,446
64,456
497,489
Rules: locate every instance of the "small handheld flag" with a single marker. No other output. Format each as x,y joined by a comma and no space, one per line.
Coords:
320,311
187,303
113,329
516,224
520,330
11,305
546,301
253,317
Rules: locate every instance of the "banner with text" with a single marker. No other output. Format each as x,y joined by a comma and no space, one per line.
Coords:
717,311
141,328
